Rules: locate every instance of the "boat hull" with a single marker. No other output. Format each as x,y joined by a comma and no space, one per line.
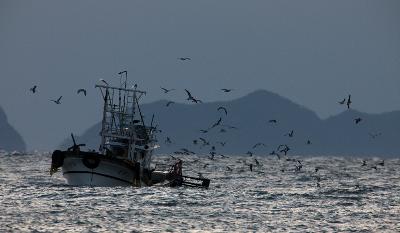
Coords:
106,173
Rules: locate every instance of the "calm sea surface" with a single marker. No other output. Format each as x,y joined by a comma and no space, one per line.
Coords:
273,197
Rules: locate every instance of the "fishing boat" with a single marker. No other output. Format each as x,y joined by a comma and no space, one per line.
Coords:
126,148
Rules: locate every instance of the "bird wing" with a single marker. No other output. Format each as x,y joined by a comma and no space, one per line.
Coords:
203,140
217,123
59,99
165,90
223,108
189,95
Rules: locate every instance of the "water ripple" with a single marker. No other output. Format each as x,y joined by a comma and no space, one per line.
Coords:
349,198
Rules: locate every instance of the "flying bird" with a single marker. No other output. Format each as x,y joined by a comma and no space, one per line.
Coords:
81,90
258,144
33,89
184,58
273,121
57,101
191,98
205,142
374,135
166,90
226,90
169,103
223,108
204,131
364,163
168,140
358,120
290,134
284,149
125,71
222,143
348,102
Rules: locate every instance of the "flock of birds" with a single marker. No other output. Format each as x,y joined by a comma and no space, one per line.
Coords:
57,101
281,152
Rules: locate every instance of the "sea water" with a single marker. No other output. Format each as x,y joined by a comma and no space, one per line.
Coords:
342,195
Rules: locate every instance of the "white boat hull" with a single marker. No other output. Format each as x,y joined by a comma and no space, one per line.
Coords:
106,173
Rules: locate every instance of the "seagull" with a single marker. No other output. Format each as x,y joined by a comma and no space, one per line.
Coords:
358,120
343,101
364,163
204,131
57,101
222,143
290,134
33,89
212,153
104,81
191,98
168,141
257,163
348,102
223,108
169,103
374,135
166,90
285,148
205,142
273,121
299,166
184,58
81,90
258,144
226,90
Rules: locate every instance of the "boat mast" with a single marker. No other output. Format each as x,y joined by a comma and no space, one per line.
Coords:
104,122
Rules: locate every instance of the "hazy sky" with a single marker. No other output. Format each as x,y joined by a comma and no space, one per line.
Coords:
313,52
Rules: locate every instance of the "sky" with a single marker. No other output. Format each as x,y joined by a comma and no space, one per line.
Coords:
314,52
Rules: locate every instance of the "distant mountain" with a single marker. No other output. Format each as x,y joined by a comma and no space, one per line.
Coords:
10,139
250,115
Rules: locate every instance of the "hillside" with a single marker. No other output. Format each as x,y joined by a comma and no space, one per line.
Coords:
337,135
10,139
